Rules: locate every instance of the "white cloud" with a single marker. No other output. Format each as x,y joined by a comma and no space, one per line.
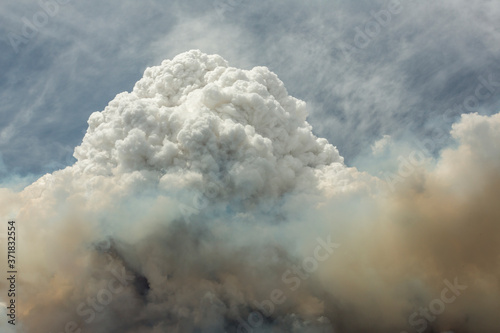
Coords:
207,183
381,145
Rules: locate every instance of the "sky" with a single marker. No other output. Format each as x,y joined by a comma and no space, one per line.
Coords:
232,166
425,61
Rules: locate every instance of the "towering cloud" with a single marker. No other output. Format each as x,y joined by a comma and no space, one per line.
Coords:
202,202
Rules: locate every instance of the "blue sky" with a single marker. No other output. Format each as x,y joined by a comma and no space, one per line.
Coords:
363,74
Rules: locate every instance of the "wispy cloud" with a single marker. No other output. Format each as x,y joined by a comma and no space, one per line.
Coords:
422,63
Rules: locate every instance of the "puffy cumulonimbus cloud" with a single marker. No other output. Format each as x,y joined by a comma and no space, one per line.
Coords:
194,120
192,126
202,202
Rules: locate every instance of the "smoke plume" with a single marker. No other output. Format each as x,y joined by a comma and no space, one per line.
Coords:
202,202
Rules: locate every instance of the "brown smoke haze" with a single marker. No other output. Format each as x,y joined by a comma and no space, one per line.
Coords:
202,202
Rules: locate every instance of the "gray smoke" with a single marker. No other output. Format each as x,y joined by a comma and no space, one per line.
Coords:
202,202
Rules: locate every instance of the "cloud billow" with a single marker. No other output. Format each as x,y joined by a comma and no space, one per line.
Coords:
202,201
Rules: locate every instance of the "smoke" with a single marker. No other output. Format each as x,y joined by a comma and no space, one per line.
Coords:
202,202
